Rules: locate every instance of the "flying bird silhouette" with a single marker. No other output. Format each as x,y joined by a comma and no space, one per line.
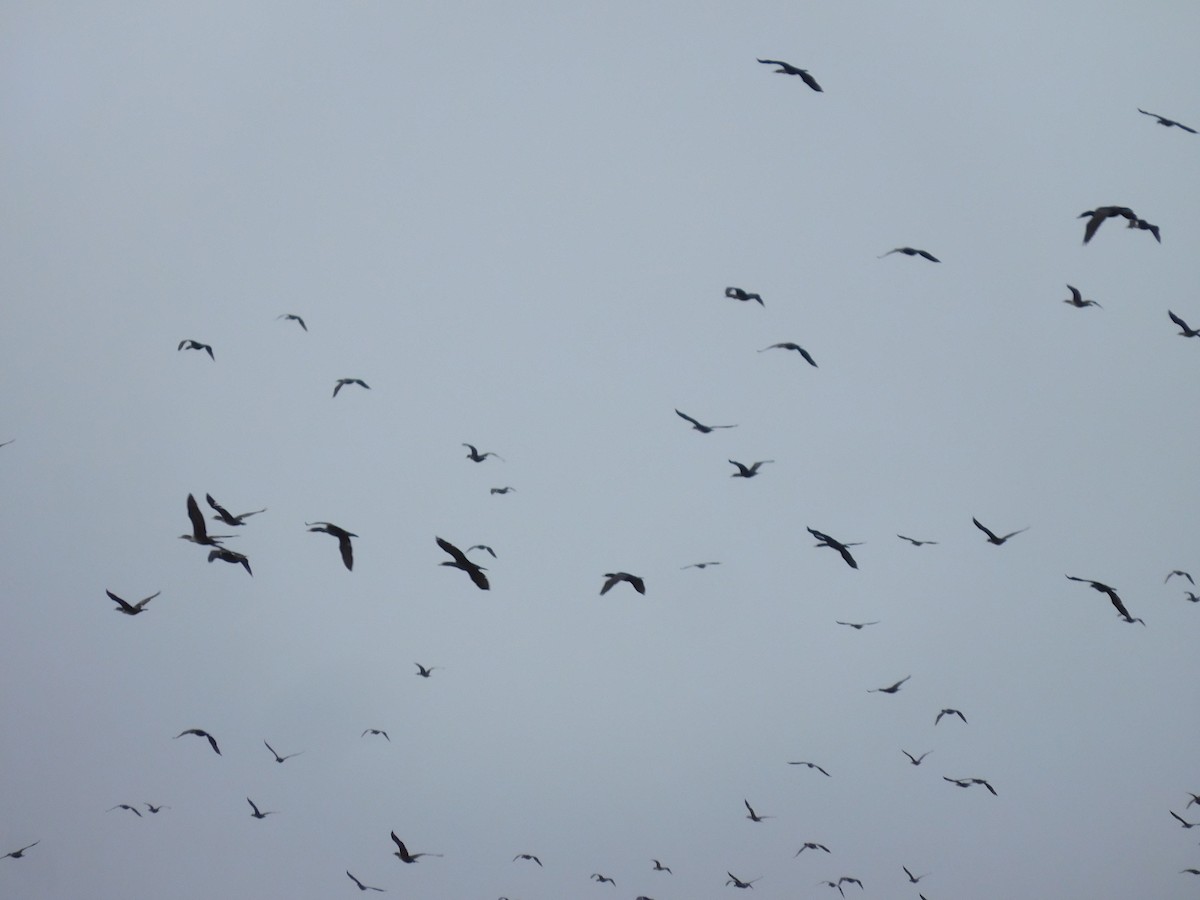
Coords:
343,536
230,556
376,731
600,879
890,689
914,541
528,856
155,810
278,758
700,427
132,809
1195,598
257,814
403,853
1182,821
425,672
786,68
857,626
911,251
810,845
342,382
991,535
1112,596
614,578
949,712
916,760
967,782
363,887
131,609
738,883
826,541
750,471
475,456
200,533
189,344
913,879
1097,216
490,551
811,766
1186,330
460,561
227,517
754,817
200,732
736,293
1180,573
503,490
293,318
1162,120
1076,299
700,565
659,867
17,854
789,345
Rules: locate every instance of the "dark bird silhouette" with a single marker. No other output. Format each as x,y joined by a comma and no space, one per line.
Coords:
256,813
913,879
857,626
700,565
891,689
200,533
189,344
403,853
507,489
811,766
376,731
155,810
810,845
279,758
17,854
1195,598
914,541
1195,799
230,556
1186,331
949,712
967,782
227,517
132,809
1097,216
1112,596
700,427
1182,821
911,251
748,471
848,880
342,382
600,879
789,345
613,578
659,867
754,817
131,609
736,293
425,672
1167,122
490,551
1076,299
475,456
1189,871
991,535
786,68
363,887
738,883
528,856
826,541
5,444
200,732
916,760
1180,573
460,561
291,317
343,537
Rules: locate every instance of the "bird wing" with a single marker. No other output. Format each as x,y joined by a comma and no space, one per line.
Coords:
847,557
991,534
459,556
929,256
125,606
224,513
1014,533
688,418
213,741
1093,223
347,550
199,529
807,357
638,584
142,603
478,577
810,81
608,584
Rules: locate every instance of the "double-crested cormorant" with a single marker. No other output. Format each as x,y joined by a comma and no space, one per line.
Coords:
748,471
613,578
343,537
279,758
342,382
1097,216
376,731
811,766
754,817
1186,330
475,456
826,541
403,853
786,68
226,516
890,689
528,856
230,556
736,293
256,813
189,344
132,809
992,536
130,609
699,426
911,251
1162,120
200,732
916,760
1076,299
949,712
361,886
790,345
291,317
460,561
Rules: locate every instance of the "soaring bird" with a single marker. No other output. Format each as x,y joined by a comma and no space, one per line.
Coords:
17,854
490,551
1182,821
5,444
279,758
857,626
916,760
1189,871
914,541
1186,330
1194,598
1076,299
507,489
600,879
826,541
1112,596
376,731
200,533
738,883
700,427
613,578
132,809
403,853
189,344
475,456
659,867
891,689
425,672
230,556
811,766
911,251
460,561
789,345
748,471
257,814
343,537
528,856
913,879
848,880
754,817
200,732
1180,573
811,845
736,293
991,535
130,609
291,317
967,782
1097,216
226,516
342,382
949,712
700,565
361,886
1167,122
155,810
788,69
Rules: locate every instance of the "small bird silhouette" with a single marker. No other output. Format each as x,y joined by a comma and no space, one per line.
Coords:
891,689
738,883
230,556
128,608
293,318
475,456
659,867
503,490
342,382
826,541
967,782
916,760
132,809
789,345
256,813
913,879
155,810
810,845
528,856
914,541
228,518
279,758
490,551
1112,596
403,853
911,251
460,561
1167,122
1180,573
189,344
425,672
786,68
857,626
736,293
949,712
754,817
1195,598
17,854
600,879
700,565
1076,299
748,471
1182,821
200,732
700,427
376,731
614,578
343,537
811,766
991,535
361,886
1186,331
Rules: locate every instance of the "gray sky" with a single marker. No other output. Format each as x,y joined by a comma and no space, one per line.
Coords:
516,223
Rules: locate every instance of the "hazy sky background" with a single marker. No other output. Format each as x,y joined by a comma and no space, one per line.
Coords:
516,223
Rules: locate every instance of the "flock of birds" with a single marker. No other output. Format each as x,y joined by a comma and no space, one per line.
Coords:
458,559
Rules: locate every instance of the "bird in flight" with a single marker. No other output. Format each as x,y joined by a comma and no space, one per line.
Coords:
403,853
890,689
967,782
748,471
257,814
1180,573
700,565
600,879
826,541
475,456
614,578
189,344
811,766
200,533
949,712
5,444
736,293
425,672
279,758
460,561
200,732
17,854
788,69
911,251
1167,122
789,345
361,886
230,556
1186,330
1076,299
659,867
155,810
916,760
1112,596
132,809
857,626
503,490
991,535
699,426
1097,216
754,817
1195,598
343,537
342,382
1189,871
914,541
528,856
228,518
1182,821
810,845
913,879
293,318
490,551
738,883
848,880
376,731
128,608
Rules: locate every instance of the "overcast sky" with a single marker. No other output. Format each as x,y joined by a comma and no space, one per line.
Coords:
516,223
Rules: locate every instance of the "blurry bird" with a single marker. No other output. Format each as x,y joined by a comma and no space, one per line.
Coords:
1187,331
257,814
1097,216
911,251
736,293
697,426
131,609
949,712
361,886
754,817
1076,299
811,766
230,556
600,879
5,444
748,472
132,809
528,856
1180,573
200,533
700,565
490,551
1189,871
857,626
788,345
293,318
891,689
827,541
967,782
376,731
228,518
914,541
810,845
788,69
916,760
279,758
991,535
1167,122
1182,821
913,879
475,456
343,537
424,672
460,561
738,883
503,490
17,854
155,810
1195,598
1112,595
196,345
342,382
613,578
200,732
403,853
659,867
848,880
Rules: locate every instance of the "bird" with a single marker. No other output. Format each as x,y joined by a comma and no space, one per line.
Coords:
361,886
811,766
1167,122
891,689
1195,799
857,626
17,854
425,672
913,879
911,251
343,537
200,732
789,345
257,814
1187,331
967,782
659,867
228,518
613,578
1076,299
490,551
736,293
826,541
600,879
155,810
810,845
230,556
1180,573
754,817
475,456
914,541
788,69
279,758
403,853
291,317
1182,821
1189,871
1195,598
849,880
949,712
342,382
991,535
189,344
528,856
132,809
460,561
1112,596
130,609
748,471
507,489
376,731
699,426
1097,216
738,883
700,565
916,760
200,533
5,444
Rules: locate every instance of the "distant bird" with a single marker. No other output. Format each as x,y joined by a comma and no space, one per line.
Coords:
788,345
342,382
967,782
155,810
700,565
503,490
914,541
230,556
200,533
1097,216
811,766
1167,122
826,541
738,883
1195,598
1182,821
857,626
257,814
736,293
343,536
754,817
189,344
130,609
1187,331
700,427
659,867
911,251
916,760
363,887
293,318
891,689
132,809
528,856
1112,596
748,471
279,758
17,854
786,68
460,561
490,551
228,518
614,578
810,845
1180,573
848,880
425,672
475,456
403,853
1076,299
949,712
600,879
1189,871
376,731
913,879
200,732
991,535
5,444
